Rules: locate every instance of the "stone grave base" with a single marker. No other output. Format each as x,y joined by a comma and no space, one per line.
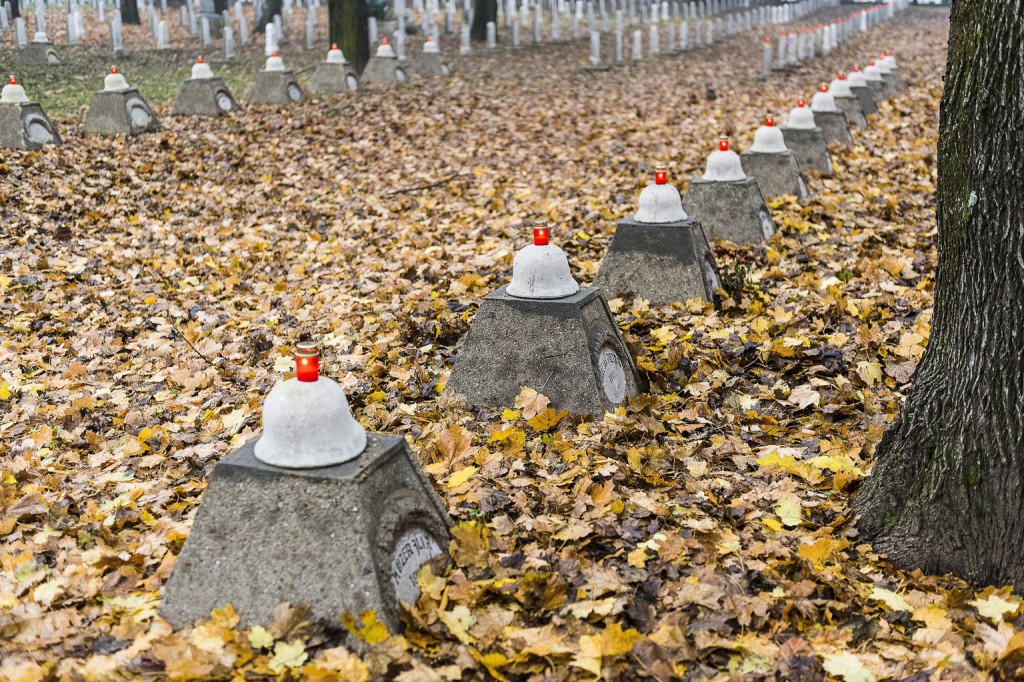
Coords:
39,54
339,539
430,65
878,90
866,99
892,86
119,113
569,349
662,262
776,173
275,87
333,78
24,125
853,110
898,76
810,149
204,97
730,210
833,124
384,70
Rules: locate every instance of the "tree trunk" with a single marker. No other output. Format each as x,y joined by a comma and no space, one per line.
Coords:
130,12
348,23
947,490
483,11
15,10
220,6
271,8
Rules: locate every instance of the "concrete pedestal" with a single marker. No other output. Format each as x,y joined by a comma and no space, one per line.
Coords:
810,148
121,112
866,99
834,125
39,54
204,97
853,110
878,89
662,262
24,125
569,349
343,538
333,78
275,87
732,210
892,85
898,75
430,65
777,173
384,70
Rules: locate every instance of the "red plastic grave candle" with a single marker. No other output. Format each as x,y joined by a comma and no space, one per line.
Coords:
888,54
274,53
660,175
334,46
801,103
540,233
769,120
199,60
841,77
823,88
383,41
856,69
14,81
767,41
307,361
113,69
723,144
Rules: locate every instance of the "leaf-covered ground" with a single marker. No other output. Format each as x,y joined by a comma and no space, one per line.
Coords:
152,290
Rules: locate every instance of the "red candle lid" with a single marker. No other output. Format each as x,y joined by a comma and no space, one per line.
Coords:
723,144
540,233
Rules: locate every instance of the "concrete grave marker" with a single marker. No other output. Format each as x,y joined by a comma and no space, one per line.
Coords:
859,87
772,163
384,66
890,62
876,84
39,52
430,63
807,140
203,94
118,109
229,43
116,35
23,123
659,254
848,102
727,202
275,84
315,511
335,74
829,117
546,332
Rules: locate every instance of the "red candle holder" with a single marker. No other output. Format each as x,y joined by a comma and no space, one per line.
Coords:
823,88
113,69
274,53
660,175
14,81
307,361
801,104
540,233
841,77
199,59
769,120
334,46
723,144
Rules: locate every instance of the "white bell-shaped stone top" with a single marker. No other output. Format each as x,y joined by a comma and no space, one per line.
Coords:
385,51
882,66
541,270
308,424
890,61
430,47
724,165
840,87
13,93
801,117
274,63
872,72
768,139
40,37
335,56
823,101
115,82
856,79
660,202
201,70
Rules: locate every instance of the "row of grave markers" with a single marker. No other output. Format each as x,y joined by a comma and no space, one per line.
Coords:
315,478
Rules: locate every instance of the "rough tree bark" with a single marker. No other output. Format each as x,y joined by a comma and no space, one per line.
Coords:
348,23
270,9
947,490
483,11
15,9
130,12
220,6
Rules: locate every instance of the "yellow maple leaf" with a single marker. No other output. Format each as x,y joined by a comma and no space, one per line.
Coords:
995,607
531,402
288,655
546,420
821,550
5,391
260,638
372,631
461,476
